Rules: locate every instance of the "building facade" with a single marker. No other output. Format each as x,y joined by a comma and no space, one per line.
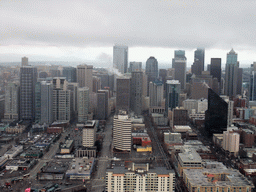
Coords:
120,58
173,88
83,104
123,93
89,134
84,76
11,110
179,63
136,92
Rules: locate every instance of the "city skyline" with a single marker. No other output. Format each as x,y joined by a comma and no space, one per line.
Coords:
46,31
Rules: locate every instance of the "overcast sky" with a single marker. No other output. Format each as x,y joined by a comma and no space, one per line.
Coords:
86,30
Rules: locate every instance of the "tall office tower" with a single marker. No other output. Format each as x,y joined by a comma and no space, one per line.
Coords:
172,94
136,92
123,93
73,87
231,75
61,99
215,69
83,104
216,117
135,66
163,75
11,109
252,84
28,77
179,117
156,93
89,134
70,74
84,76
230,109
231,141
24,61
120,58
102,104
152,69
196,68
239,81
55,72
43,102
122,130
96,84
199,56
179,63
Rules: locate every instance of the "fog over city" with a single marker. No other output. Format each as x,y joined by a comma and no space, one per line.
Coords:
87,30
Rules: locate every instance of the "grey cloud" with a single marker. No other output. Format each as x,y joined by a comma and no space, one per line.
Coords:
156,23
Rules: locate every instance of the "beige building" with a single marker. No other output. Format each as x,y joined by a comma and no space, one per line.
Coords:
84,76
83,104
140,178
231,141
89,134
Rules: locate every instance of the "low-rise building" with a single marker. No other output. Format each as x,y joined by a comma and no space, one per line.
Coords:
19,164
67,147
14,151
80,168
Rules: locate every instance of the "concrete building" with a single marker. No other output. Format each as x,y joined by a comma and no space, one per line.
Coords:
83,104
156,93
11,109
67,147
231,141
120,58
179,117
135,66
173,88
140,177
96,84
84,76
61,99
179,63
199,56
70,74
123,93
172,138
136,92
28,78
151,69
89,134
73,88
24,61
122,128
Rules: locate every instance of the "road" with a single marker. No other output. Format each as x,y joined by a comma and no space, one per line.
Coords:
98,183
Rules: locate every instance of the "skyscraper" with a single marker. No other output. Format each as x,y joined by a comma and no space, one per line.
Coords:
199,56
28,78
120,58
231,74
179,63
156,93
83,104
135,66
252,84
216,117
136,92
102,104
123,93
24,61
172,94
11,109
61,99
151,69
84,76
122,129
70,74
215,68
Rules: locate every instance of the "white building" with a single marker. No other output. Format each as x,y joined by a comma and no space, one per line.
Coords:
231,141
83,104
11,101
120,58
84,76
139,178
89,134
122,127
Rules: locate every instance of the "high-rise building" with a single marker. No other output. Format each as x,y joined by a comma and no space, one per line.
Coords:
83,104
136,92
156,93
84,76
215,69
140,177
28,78
89,134
172,94
122,130
199,56
96,84
252,84
70,74
151,69
216,117
231,74
102,104
196,68
163,75
43,102
73,87
123,93
135,66
11,109
24,61
61,99
120,58
231,141
179,63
